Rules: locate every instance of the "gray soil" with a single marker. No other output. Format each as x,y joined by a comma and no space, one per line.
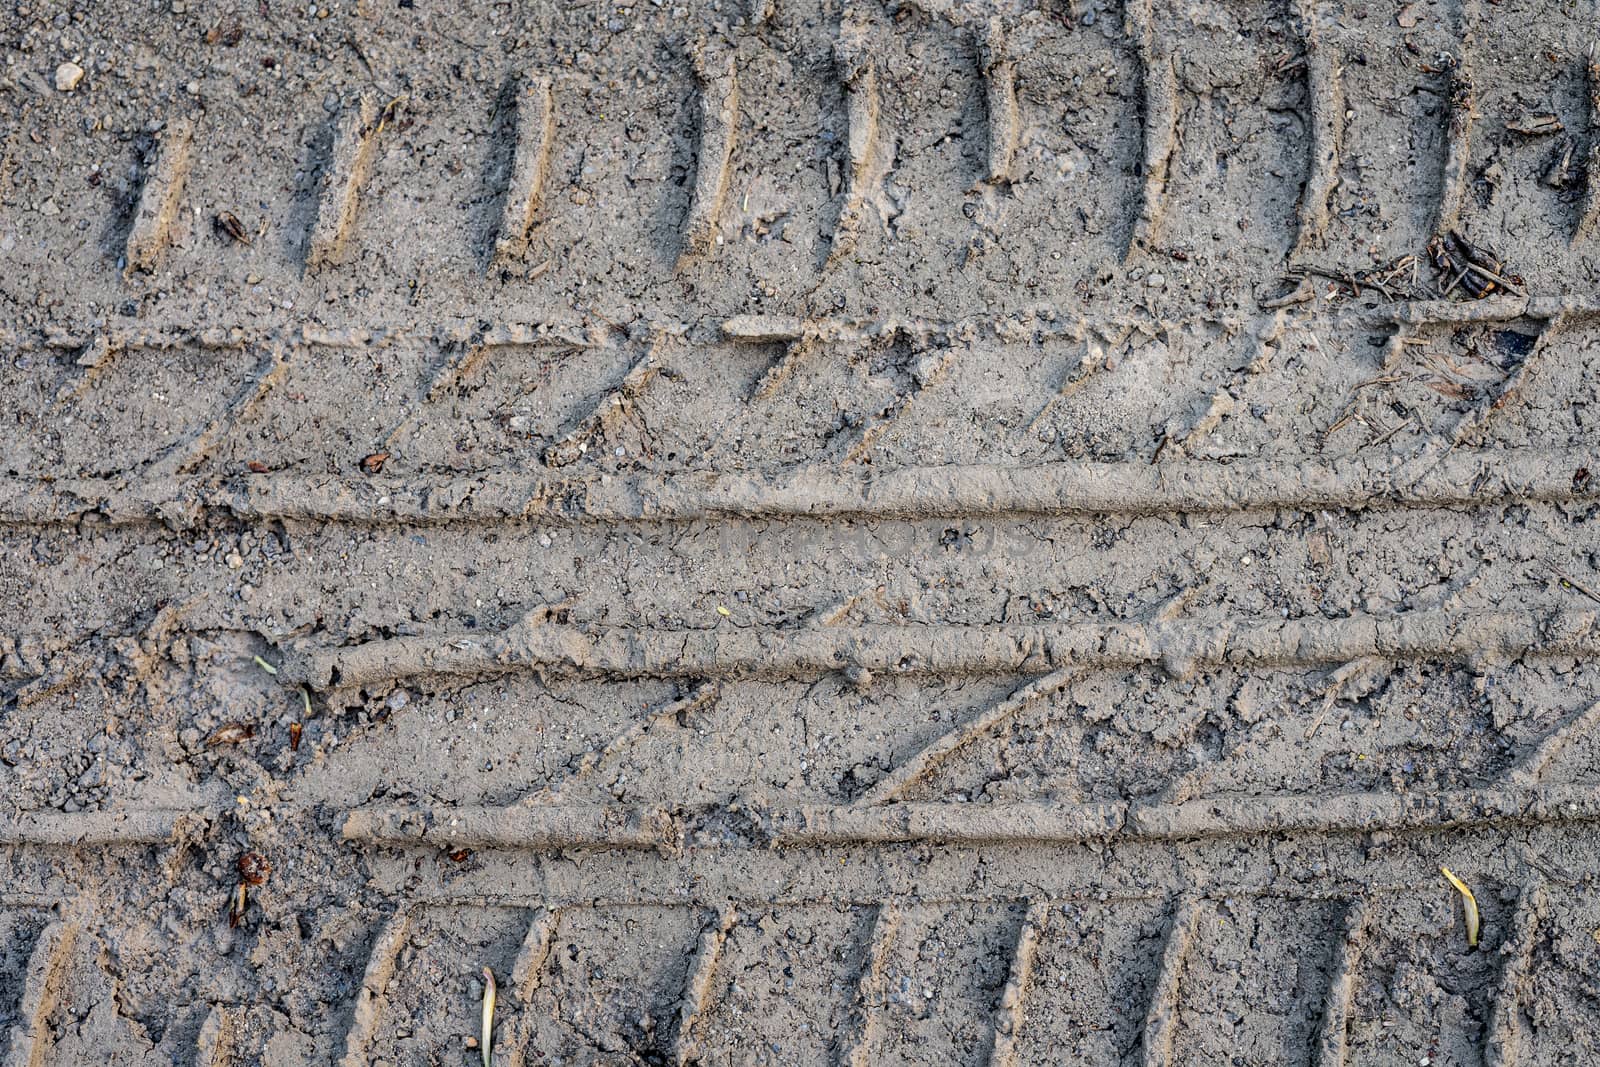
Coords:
799,532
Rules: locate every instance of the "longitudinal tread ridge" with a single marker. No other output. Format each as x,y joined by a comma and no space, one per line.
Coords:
1161,1019
1010,1012
868,1003
1325,102
382,959
1160,122
339,194
41,988
1505,1031
160,197
1333,1031
530,161
719,123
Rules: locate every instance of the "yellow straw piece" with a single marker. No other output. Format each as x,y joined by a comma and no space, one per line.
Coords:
1469,906
488,1016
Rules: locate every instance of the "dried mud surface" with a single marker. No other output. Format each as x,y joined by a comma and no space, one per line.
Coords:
799,532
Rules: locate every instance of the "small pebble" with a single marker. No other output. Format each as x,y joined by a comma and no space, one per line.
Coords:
68,75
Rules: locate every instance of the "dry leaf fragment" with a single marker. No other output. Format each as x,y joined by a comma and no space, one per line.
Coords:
228,224
373,463
1469,906
488,1017
229,33
231,733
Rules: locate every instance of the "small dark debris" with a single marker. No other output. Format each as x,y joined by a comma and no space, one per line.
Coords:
1472,267
227,33
1532,124
228,224
1513,343
390,110
1559,173
254,868
231,733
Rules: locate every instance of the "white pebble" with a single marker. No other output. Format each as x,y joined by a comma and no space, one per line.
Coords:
68,75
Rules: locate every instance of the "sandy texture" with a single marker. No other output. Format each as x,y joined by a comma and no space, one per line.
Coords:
799,533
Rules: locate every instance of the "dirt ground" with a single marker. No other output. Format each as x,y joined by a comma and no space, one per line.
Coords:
799,532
